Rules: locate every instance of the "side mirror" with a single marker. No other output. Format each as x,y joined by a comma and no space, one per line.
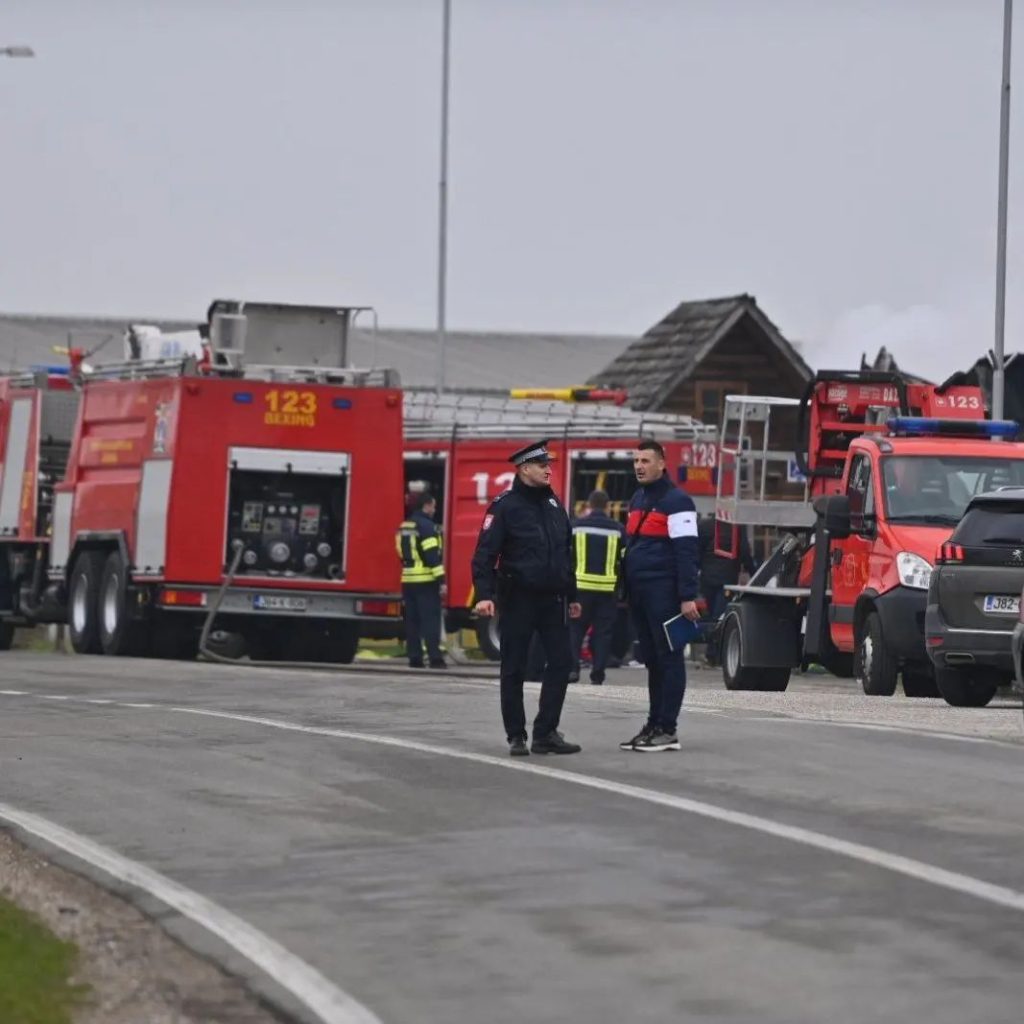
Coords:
835,511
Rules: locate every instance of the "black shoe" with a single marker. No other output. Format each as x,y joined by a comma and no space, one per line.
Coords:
574,677
553,743
438,663
415,664
640,737
597,678
657,741
517,747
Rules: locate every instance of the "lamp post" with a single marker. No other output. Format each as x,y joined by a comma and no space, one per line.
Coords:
442,217
17,51
999,371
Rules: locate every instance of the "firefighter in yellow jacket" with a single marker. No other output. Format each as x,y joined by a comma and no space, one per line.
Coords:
418,543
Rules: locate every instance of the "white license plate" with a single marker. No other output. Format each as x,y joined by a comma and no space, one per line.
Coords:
1000,604
275,603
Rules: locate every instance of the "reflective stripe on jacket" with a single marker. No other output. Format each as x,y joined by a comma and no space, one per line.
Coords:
419,550
598,540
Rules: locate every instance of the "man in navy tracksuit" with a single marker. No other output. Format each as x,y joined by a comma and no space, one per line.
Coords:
661,566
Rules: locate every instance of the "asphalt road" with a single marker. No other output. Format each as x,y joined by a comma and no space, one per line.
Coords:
811,856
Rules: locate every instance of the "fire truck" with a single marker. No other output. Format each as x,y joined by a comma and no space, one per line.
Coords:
887,469
457,448
126,491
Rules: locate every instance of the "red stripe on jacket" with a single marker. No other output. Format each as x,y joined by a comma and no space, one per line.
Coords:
655,524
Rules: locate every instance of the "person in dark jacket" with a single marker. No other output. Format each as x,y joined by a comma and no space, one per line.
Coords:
418,543
598,539
524,565
660,565
719,571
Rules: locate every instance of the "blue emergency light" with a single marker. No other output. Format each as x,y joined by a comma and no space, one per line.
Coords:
929,426
243,397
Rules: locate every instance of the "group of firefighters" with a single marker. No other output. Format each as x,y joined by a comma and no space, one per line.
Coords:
554,578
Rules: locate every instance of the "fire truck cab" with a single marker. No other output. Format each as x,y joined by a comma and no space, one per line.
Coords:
457,448
889,469
126,492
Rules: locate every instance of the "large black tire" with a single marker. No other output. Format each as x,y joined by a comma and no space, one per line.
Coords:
6,636
876,669
919,681
966,690
84,601
119,633
488,636
738,676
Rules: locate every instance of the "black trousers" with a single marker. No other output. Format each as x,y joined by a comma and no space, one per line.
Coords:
422,620
599,611
522,614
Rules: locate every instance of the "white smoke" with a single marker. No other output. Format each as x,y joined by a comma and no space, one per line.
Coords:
924,340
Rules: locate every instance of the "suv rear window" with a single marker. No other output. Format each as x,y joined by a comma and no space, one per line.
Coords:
1001,523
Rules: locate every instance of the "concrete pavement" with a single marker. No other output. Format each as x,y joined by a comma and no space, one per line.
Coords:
433,888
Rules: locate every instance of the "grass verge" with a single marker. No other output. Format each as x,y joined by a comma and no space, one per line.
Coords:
35,971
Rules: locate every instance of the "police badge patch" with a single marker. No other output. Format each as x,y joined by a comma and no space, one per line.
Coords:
487,522
551,501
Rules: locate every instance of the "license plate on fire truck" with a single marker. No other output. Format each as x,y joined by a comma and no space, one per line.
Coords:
279,603
1002,604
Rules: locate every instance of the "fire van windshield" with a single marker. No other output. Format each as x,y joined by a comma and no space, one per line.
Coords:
936,488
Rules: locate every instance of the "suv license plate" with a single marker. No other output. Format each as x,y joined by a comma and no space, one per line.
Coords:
1000,604
275,603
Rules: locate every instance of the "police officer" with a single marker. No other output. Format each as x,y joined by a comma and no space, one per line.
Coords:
524,560
660,562
418,544
598,540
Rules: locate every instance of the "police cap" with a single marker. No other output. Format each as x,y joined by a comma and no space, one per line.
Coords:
535,452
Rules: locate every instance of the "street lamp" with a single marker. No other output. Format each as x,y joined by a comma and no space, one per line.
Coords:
442,213
17,51
999,370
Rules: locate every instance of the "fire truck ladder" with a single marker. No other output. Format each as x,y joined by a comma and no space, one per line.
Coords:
429,415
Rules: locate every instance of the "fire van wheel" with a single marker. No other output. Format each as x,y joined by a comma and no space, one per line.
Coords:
488,637
119,633
6,636
738,676
83,602
875,667
963,690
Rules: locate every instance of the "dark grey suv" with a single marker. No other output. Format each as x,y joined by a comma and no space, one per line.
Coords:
974,599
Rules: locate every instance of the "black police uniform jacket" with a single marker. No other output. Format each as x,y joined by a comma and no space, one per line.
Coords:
526,534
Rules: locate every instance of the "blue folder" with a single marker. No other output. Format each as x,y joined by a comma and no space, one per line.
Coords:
680,631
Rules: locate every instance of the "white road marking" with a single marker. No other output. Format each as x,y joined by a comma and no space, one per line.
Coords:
125,704
14,693
52,696
308,985
96,700
911,868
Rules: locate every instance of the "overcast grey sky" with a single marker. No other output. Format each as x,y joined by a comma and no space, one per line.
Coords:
835,158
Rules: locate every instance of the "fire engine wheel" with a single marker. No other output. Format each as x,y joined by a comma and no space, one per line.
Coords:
119,633
875,667
963,690
738,676
6,636
488,636
83,602
919,681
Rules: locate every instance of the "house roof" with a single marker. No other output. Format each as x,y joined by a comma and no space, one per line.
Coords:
886,361
652,367
474,360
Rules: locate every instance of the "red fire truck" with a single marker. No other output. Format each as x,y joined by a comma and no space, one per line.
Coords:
125,492
889,468
457,447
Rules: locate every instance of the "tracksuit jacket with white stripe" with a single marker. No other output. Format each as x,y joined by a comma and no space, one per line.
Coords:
665,552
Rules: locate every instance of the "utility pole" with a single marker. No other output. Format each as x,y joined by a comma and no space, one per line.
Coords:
999,371
442,225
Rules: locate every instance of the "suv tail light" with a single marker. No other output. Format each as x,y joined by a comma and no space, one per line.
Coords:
950,552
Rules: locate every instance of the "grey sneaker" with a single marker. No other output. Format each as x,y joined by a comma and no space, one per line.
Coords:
638,738
657,741
517,747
